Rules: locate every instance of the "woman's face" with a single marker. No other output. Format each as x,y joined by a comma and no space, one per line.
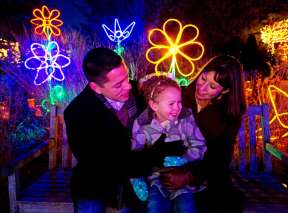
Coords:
206,86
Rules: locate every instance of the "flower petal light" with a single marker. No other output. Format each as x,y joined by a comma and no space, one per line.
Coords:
46,22
47,61
173,49
117,35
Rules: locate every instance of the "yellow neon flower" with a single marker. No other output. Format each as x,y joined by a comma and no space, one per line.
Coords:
174,49
47,22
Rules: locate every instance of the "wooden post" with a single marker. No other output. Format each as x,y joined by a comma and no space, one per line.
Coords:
266,138
242,149
53,138
12,190
252,132
66,153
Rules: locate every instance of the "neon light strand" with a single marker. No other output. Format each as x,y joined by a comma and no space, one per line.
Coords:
46,22
117,35
173,49
119,49
276,33
57,94
47,61
278,115
45,105
183,81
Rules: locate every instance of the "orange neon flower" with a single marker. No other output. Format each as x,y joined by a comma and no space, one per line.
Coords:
174,46
47,21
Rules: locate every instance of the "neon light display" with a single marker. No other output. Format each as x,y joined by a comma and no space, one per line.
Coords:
119,49
277,33
45,105
117,35
272,88
10,51
183,82
46,22
172,48
48,62
57,94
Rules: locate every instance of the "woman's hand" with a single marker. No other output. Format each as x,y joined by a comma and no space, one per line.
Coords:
174,178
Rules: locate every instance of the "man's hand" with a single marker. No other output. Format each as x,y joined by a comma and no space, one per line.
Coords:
174,178
173,148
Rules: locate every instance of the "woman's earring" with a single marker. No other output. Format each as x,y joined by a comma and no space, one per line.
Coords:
219,97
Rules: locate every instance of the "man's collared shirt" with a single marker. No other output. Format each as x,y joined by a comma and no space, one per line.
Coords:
117,105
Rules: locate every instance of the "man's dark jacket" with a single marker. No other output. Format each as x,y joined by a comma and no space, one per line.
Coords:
101,145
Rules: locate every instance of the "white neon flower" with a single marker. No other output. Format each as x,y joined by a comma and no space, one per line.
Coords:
47,61
117,35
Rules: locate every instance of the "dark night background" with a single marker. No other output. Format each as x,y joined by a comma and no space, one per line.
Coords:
220,21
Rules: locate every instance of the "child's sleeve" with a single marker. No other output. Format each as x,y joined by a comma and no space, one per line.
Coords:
138,136
195,141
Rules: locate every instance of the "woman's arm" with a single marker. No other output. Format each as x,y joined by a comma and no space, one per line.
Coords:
194,139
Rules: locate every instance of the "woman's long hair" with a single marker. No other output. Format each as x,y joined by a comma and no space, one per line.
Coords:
229,75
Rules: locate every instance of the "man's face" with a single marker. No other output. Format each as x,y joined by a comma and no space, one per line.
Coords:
117,86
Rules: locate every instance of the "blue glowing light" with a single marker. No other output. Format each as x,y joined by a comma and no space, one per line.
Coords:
174,161
47,61
117,35
139,184
140,188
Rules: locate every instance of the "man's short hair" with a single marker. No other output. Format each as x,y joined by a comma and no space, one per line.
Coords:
98,62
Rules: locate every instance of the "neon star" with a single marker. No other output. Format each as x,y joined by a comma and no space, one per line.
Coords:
47,61
117,35
171,49
47,22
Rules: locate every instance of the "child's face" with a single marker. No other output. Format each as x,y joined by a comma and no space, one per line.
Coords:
167,105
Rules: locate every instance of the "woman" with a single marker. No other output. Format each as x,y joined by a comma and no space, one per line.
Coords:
218,103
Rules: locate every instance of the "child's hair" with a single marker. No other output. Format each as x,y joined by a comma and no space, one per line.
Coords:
152,87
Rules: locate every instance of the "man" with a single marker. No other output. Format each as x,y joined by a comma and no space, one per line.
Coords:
97,123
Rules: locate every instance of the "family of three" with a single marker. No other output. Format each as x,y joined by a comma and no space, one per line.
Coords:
167,150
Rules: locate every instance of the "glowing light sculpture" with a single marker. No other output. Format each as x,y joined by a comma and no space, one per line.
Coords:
47,61
57,94
272,88
117,35
277,33
183,82
10,51
46,22
173,49
45,105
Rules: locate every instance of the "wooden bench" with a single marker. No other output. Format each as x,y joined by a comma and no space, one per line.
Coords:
255,176
50,193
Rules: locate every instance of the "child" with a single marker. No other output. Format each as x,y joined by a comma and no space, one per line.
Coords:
166,115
